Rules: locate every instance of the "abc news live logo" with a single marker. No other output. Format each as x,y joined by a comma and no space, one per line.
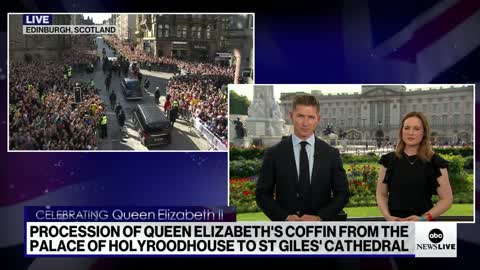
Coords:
436,236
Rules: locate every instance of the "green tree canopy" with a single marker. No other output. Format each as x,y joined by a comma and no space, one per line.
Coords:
238,104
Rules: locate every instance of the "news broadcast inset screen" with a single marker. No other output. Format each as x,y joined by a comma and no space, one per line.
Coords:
148,81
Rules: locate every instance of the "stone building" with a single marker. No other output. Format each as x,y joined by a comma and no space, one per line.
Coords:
126,27
376,112
223,39
28,48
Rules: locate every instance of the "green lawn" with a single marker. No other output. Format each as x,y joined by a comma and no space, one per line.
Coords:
456,210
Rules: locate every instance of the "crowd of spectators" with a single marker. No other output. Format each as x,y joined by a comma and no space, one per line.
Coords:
203,97
43,114
82,53
189,67
79,58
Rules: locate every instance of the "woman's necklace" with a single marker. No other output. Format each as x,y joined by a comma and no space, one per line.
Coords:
411,162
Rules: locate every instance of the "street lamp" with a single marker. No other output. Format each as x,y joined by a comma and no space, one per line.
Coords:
364,131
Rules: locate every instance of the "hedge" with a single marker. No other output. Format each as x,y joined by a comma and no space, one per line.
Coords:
469,163
462,151
349,158
245,168
246,153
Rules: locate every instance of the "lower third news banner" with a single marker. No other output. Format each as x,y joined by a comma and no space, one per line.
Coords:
150,234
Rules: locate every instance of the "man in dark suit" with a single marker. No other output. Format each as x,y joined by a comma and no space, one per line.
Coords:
302,178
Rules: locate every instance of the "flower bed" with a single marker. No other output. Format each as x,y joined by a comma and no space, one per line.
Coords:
362,180
242,195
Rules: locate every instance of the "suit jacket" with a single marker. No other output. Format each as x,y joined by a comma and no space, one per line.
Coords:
278,175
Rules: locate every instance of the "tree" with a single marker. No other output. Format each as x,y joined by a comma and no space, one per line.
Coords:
238,104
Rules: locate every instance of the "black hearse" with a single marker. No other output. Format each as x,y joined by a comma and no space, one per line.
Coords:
152,125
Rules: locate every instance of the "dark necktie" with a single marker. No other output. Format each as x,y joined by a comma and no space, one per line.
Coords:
304,169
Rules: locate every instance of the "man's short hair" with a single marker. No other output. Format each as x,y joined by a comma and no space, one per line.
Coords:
306,100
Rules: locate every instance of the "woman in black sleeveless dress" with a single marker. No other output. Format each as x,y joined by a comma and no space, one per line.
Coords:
412,174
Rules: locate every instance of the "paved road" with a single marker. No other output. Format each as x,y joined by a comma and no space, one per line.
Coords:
184,137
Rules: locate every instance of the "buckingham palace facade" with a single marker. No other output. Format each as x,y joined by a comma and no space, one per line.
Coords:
376,112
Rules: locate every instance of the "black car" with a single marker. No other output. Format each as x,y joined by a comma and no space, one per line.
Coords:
114,64
131,88
152,125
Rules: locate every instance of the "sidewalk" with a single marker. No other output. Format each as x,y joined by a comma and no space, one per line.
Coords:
157,74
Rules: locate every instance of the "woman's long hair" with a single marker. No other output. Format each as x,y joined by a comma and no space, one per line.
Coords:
425,151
